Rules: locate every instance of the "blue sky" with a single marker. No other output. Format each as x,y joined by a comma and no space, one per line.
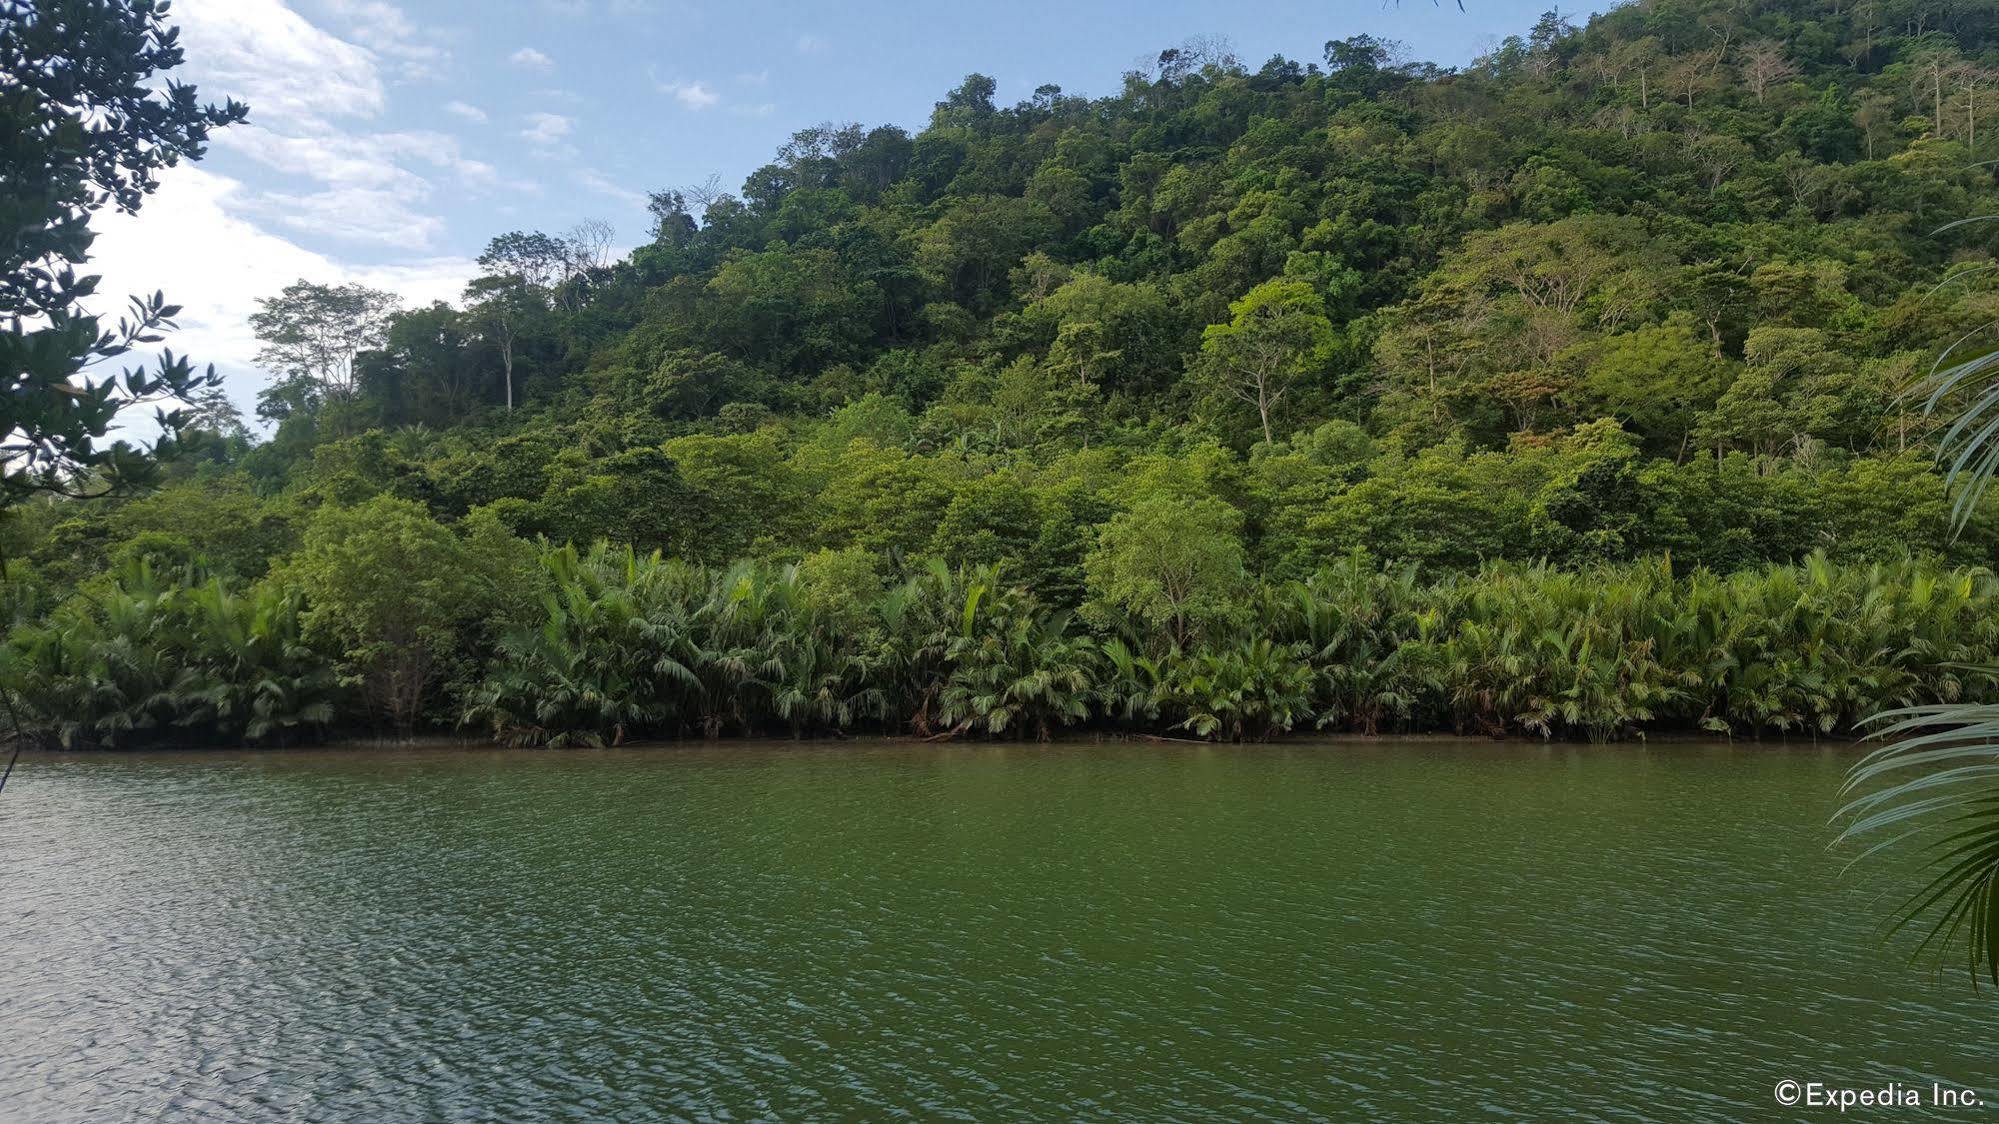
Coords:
388,141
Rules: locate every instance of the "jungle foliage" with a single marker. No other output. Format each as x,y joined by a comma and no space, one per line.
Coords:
606,645
1559,394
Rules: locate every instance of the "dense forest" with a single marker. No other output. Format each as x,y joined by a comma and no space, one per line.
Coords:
1562,394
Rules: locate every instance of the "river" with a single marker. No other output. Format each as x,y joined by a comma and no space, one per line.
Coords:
1386,930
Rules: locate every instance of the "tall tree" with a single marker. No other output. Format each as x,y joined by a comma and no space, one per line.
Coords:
390,589
211,411
586,256
523,269
88,124
1934,65
1764,65
673,223
425,372
501,308
536,259
311,334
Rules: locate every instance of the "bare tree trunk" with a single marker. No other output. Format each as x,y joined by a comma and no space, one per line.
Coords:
507,362
1430,355
1936,74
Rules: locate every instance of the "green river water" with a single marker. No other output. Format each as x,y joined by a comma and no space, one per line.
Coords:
1355,930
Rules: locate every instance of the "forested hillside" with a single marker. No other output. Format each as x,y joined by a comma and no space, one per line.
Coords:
1246,398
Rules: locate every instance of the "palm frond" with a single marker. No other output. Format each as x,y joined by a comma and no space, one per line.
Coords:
1934,784
1935,787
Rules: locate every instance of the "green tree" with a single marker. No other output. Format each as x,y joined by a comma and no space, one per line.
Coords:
509,299
1170,563
1120,337
90,125
636,498
747,496
311,334
390,589
969,251
427,371
1656,380
1276,334
841,586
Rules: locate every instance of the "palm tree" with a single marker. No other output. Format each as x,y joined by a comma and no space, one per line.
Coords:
919,620
607,661
158,658
1131,684
1016,669
1242,692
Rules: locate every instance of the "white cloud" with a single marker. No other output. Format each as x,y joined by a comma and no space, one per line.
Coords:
810,44
470,113
693,95
289,71
344,158
474,173
761,109
754,77
302,83
546,128
216,242
367,193
356,214
385,30
191,240
597,182
532,59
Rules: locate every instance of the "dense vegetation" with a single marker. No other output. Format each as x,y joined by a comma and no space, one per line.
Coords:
1560,394
623,645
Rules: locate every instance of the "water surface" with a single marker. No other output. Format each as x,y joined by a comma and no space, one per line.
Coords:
1406,930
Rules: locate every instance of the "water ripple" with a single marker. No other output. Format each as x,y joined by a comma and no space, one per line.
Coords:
1302,932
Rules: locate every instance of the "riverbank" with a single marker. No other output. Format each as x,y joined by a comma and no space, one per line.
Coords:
1066,740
